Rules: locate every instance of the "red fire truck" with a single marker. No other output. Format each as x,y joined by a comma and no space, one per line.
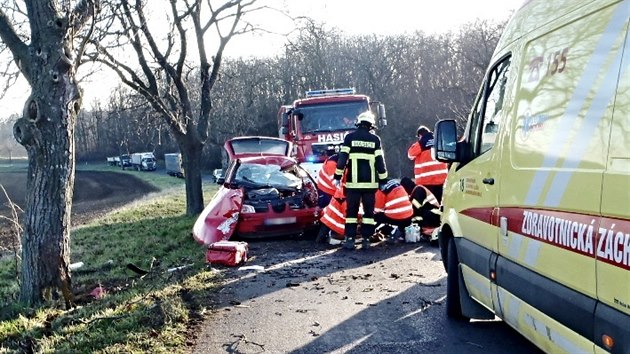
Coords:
321,120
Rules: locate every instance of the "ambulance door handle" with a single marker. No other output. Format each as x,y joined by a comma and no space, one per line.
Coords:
489,181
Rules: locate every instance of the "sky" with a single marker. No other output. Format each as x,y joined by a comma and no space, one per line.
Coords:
352,17
383,17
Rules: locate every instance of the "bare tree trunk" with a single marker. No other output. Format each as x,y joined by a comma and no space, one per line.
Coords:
191,160
47,132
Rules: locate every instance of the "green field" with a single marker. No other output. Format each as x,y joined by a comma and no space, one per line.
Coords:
138,314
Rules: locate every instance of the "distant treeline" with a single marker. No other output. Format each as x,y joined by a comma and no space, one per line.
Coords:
420,78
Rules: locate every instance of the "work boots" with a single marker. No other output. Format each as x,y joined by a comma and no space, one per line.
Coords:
365,243
323,236
348,243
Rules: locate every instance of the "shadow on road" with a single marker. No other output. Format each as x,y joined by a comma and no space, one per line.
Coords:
310,299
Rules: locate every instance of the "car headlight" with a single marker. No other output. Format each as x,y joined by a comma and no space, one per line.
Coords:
247,209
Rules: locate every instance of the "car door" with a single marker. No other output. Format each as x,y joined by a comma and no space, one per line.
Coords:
473,184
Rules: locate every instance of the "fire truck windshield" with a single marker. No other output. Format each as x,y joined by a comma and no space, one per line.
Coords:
331,117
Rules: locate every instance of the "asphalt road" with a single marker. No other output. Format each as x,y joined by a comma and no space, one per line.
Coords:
310,299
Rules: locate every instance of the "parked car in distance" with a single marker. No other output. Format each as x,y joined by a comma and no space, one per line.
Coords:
265,193
217,175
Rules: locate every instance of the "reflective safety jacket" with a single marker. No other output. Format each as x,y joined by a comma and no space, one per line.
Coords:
361,156
394,203
327,174
426,208
426,170
334,216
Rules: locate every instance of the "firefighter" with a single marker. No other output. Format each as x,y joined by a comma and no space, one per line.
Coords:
426,207
392,208
333,219
325,185
428,171
361,158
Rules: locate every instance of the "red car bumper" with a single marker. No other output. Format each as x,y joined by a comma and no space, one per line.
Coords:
272,223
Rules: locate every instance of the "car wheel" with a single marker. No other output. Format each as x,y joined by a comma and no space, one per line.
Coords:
453,304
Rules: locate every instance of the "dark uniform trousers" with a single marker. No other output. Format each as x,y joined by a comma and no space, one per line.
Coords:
354,198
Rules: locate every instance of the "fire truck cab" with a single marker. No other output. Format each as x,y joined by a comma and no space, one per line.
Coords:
320,121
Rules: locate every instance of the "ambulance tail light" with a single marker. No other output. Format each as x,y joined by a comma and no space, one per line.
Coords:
608,341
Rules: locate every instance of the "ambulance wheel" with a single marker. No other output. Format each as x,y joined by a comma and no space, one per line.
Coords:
453,304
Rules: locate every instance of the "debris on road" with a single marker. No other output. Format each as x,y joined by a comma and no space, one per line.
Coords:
253,267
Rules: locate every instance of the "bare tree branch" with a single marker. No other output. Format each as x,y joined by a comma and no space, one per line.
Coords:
134,37
83,13
14,43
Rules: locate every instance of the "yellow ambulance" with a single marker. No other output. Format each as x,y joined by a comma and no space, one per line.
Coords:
536,207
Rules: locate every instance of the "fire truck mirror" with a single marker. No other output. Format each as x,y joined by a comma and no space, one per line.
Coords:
382,115
284,131
299,115
381,112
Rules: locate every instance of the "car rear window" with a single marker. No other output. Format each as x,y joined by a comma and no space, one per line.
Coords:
259,147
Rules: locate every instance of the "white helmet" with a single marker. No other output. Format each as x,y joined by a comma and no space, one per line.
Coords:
366,117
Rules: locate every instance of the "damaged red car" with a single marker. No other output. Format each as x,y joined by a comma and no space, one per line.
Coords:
265,193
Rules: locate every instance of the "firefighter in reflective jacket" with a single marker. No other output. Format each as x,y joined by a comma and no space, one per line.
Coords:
392,207
333,219
325,179
426,208
428,171
361,157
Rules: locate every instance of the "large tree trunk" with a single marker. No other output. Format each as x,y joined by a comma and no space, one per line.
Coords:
47,132
50,183
191,160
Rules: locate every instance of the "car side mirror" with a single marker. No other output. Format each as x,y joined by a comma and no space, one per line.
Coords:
445,144
220,180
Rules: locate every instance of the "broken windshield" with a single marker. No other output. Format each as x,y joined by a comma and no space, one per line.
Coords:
267,176
331,117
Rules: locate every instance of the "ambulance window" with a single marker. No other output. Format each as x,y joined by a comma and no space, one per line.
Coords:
474,123
493,105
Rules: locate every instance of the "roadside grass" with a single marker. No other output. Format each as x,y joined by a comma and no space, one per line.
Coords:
138,313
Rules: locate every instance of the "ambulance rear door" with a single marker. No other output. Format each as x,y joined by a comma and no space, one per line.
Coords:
612,249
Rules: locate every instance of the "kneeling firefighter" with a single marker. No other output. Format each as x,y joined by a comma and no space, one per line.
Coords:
333,218
361,157
426,207
325,185
393,208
